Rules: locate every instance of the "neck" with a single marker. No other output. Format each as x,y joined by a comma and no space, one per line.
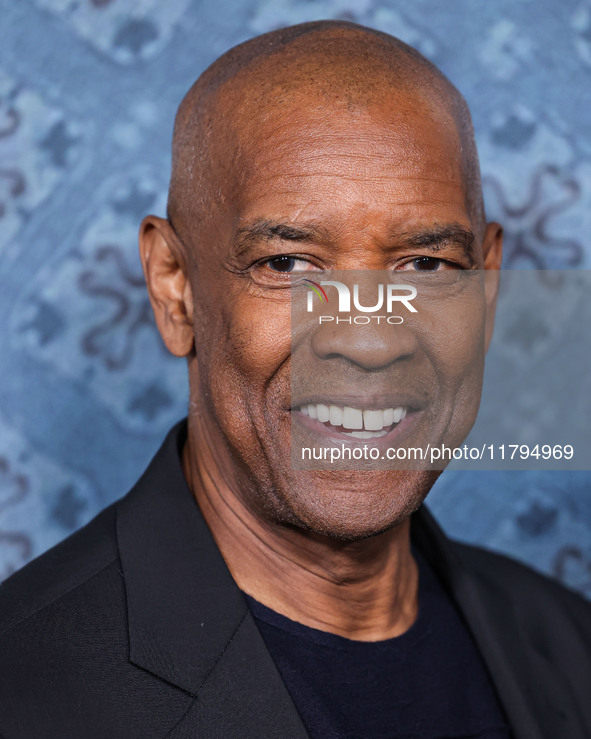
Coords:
364,590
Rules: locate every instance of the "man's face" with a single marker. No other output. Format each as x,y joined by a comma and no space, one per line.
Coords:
327,187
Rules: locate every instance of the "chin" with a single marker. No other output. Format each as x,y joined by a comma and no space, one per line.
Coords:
352,506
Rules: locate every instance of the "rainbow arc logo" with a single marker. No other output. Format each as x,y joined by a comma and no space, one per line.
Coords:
318,289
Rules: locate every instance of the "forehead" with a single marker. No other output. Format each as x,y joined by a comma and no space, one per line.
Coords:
401,154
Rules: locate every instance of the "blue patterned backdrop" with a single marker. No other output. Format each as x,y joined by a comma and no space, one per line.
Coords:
88,92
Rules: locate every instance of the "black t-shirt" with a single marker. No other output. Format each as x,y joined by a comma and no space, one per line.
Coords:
428,683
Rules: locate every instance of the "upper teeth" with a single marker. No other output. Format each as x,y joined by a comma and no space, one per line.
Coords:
354,418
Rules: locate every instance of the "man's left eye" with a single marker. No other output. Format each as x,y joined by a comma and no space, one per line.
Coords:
428,264
288,264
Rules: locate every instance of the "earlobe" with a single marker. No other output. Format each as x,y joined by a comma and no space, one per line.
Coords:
167,280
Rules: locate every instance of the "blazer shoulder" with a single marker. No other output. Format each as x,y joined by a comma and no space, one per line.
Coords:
536,596
59,570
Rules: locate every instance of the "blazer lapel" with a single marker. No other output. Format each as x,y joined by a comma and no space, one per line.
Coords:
244,695
188,622
531,690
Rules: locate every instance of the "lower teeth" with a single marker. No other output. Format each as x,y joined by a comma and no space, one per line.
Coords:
360,434
365,434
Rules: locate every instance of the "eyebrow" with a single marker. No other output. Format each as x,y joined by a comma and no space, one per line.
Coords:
434,238
439,236
268,230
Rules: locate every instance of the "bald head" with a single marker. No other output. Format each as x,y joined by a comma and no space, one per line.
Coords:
310,66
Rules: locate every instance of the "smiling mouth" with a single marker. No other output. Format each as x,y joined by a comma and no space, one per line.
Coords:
357,423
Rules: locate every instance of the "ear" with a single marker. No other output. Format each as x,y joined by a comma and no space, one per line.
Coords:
164,266
492,251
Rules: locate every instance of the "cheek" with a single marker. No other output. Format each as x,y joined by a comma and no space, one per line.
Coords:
460,353
257,337
243,347
452,334
453,339
459,363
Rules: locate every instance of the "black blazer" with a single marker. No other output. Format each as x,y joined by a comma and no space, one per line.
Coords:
134,628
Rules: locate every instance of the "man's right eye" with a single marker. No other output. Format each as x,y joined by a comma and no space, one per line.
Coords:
281,264
286,263
282,270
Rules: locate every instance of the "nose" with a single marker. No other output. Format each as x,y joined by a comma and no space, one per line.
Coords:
368,341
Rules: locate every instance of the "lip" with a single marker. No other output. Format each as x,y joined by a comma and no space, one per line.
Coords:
324,433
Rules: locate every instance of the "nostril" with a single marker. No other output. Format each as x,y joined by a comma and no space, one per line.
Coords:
370,347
